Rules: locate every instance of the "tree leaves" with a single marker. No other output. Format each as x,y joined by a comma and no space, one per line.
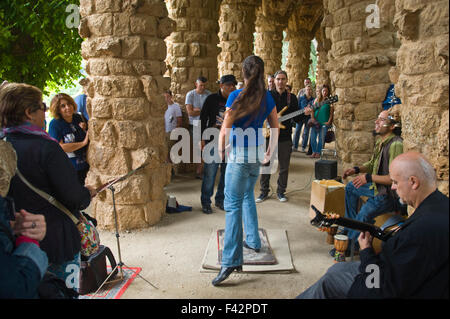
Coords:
36,46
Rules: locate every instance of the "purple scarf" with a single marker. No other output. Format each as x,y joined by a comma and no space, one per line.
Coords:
28,128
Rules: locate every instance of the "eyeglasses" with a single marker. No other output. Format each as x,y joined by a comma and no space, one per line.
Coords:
62,105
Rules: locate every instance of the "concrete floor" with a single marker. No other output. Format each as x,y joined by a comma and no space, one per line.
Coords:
171,252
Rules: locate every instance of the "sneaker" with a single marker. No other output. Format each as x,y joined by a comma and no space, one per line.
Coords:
220,206
294,149
262,197
207,209
304,150
282,198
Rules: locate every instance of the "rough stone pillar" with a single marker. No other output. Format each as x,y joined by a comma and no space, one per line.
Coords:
237,24
299,55
124,51
423,82
269,40
192,46
359,61
323,45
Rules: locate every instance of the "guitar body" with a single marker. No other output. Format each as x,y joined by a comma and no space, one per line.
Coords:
266,130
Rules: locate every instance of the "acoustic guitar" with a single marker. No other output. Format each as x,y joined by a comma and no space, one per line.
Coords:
282,118
322,220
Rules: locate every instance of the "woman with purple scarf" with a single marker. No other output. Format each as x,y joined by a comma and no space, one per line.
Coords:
46,166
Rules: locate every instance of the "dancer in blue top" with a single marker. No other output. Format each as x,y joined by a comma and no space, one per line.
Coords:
246,111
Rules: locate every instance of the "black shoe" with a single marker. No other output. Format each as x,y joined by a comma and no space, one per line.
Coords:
224,273
262,197
248,247
220,206
207,209
281,198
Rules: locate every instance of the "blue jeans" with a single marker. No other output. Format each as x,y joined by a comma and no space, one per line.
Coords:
318,138
240,207
209,178
305,135
375,206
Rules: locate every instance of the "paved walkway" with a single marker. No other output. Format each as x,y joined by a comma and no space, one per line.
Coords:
171,252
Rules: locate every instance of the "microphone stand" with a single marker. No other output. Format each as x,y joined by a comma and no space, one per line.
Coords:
120,264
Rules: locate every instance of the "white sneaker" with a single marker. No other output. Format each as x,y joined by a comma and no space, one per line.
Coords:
282,198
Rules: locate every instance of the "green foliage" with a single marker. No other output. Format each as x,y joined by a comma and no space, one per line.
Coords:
313,65
36,46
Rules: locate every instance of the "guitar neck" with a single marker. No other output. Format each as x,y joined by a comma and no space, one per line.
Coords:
290,115
362,227
322,221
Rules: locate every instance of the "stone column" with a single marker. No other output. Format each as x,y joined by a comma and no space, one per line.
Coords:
323,45
422,80
359,61
237,24
299,57
124,51
269,40
192,47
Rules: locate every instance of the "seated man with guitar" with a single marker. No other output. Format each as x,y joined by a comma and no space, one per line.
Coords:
286,103
413,262
374,183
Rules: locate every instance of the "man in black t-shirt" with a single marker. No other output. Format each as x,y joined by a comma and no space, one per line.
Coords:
282,98
211,116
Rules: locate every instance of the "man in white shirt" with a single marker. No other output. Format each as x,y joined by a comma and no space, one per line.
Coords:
194,103
172,119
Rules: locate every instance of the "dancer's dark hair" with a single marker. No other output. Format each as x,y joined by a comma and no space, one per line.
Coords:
248,103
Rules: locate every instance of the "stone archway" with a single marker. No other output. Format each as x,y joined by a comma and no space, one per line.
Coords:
126,59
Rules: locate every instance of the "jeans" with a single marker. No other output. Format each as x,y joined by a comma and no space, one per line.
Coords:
375,206
284,160
209,178
335,284
305,135
318,138
240,179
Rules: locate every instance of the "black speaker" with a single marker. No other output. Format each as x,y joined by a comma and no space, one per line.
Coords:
326,169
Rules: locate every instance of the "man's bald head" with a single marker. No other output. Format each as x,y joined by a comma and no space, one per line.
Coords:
413,177
415,164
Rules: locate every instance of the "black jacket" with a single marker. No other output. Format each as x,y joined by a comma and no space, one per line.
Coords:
45,165
213,106
414,262
281,101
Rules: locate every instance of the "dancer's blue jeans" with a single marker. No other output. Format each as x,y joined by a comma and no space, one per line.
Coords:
305,135
375,206
318,138
240,178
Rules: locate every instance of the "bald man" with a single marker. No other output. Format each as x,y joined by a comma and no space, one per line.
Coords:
413,262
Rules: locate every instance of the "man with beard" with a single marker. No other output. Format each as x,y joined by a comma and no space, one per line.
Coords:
374,182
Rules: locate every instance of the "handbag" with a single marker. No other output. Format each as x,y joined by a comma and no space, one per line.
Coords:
330,136
93,270
90,239
313,123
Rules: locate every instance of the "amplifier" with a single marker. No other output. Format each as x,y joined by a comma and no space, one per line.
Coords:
326,169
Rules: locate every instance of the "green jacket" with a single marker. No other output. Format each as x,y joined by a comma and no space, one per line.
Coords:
384,152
